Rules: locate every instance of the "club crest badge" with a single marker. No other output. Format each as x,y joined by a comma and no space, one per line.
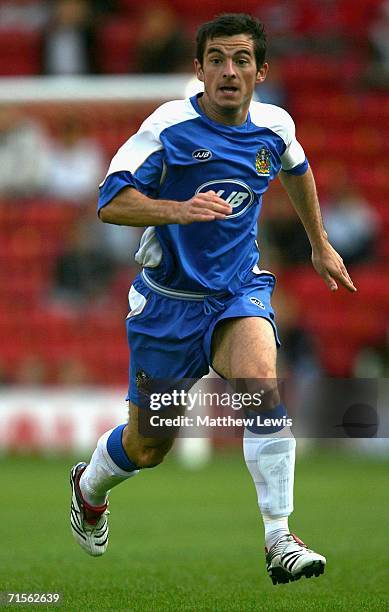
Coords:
263,162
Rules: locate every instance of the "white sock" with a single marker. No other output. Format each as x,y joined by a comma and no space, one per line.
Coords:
270,460
102,474
275,528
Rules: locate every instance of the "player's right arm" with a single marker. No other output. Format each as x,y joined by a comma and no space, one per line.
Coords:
130,207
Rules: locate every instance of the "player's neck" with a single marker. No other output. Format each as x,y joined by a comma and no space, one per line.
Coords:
225,116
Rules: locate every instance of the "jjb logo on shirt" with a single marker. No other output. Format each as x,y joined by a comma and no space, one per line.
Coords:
202,154
236,193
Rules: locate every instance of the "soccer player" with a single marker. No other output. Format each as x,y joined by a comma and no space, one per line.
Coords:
194,175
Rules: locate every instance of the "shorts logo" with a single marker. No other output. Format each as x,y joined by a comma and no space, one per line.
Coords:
263,162
236,193
258,303
202,155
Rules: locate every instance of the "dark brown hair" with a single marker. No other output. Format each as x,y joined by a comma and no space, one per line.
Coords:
230,24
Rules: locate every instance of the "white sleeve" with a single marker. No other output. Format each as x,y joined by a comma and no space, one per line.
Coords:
137,149
278,120
147,140
294,154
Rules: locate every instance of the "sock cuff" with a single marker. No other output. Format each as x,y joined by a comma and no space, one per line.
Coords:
278,416
269,519
116,450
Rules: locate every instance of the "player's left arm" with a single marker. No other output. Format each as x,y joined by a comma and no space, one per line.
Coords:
301,190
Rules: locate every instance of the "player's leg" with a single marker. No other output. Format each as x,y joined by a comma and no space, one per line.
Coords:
123,451
246,348
146,452
120,454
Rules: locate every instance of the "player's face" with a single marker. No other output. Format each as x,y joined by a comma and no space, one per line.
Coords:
229,73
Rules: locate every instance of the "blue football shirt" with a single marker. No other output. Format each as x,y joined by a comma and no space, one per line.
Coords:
178,152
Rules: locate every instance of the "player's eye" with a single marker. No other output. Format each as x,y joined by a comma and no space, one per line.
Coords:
242,62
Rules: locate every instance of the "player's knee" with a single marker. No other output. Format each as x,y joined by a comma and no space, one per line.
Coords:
270,398
150,456
265,387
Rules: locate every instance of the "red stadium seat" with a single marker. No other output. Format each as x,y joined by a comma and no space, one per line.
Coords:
336,356
19,53
117,44
203,11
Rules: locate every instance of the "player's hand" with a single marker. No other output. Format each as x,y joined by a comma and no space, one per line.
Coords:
203,207
329,264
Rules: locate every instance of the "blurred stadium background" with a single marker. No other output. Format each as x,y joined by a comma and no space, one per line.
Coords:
77,78
73,88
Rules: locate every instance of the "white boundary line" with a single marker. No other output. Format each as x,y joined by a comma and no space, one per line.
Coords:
81,88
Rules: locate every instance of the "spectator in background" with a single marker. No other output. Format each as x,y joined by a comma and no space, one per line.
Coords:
24,154
297,355
282,231
76,163
72,371
104,7
4,377
282,22
119,243
23,14
32,371
84,270
272,90
162,46
69,41
378,71
351,224
322,27
373,361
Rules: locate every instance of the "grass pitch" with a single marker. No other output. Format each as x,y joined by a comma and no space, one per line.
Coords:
192,541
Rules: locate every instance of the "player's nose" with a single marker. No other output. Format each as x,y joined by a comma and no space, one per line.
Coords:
229,68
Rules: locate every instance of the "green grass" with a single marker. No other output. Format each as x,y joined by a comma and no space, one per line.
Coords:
193,541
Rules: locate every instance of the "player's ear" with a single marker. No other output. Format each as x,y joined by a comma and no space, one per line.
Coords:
199,70
262,72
